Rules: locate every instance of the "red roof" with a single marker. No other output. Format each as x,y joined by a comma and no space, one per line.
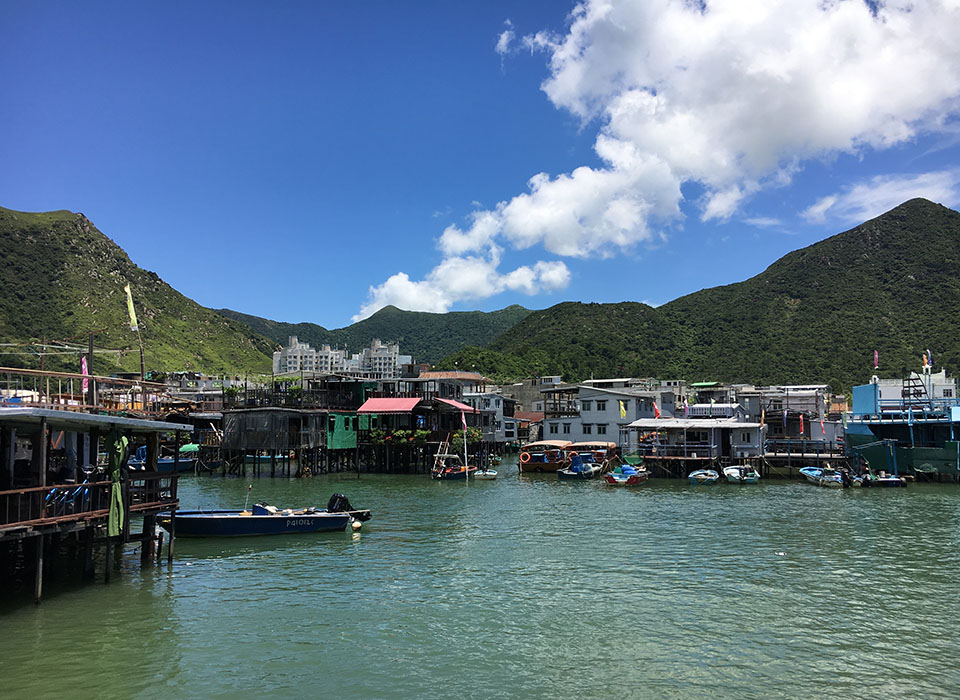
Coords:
457,405
388,405
531,416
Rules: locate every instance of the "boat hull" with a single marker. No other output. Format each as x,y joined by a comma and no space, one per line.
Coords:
703,477
626,479
587,473
450,474
229,523
735,477
165,465
485,474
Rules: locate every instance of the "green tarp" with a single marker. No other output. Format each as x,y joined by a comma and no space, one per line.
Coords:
116,450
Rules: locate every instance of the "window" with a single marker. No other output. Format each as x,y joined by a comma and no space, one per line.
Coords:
566,428
601,429
744,438
553,428
587,429
586,405
601,405
948,393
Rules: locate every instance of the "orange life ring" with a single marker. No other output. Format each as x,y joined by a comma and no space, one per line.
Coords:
524,457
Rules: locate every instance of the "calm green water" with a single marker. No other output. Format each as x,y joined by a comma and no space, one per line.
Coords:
524,587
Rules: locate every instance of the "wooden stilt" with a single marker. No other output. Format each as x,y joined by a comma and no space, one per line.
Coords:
173,532
38,581
146,540
108,553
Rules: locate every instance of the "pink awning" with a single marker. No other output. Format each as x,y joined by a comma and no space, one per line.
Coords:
388,405
459,406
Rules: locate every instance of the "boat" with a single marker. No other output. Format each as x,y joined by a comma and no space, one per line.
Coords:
263,519
543,456
741,474
448,465
626,475
599,451
485,474
165,465
703,476
823,476
581,466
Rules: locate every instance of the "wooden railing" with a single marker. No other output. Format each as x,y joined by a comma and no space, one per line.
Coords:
42,505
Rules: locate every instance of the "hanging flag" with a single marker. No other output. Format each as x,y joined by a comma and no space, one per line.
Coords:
656,411
463,420
784,418
876,359
686,407
133,314
923,359
712,401
801,425
929,358
84,371
623,409
763,416
823,430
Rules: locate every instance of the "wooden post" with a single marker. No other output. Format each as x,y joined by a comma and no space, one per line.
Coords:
38,581
108,551
43,451
88,570
176,453
273,463
173,532
153,450
146,540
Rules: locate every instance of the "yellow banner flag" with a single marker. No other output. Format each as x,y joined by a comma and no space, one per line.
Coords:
623,409
133,314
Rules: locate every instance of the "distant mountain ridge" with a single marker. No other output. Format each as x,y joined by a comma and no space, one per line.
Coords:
815,315
426,336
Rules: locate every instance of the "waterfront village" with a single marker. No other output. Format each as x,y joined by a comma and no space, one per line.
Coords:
82,453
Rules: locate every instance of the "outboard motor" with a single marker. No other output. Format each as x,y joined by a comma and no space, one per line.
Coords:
339,503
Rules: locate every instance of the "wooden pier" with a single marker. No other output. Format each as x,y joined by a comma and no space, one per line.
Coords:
55,496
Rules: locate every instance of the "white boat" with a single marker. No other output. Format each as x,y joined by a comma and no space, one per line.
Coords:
823,476
741,474
703,476
485,474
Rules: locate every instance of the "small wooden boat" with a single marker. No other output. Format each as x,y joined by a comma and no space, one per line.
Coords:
262,519
485,474
741,474
703,476
626,475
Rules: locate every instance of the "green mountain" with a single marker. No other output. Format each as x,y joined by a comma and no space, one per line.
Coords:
426,336
62,279
815,315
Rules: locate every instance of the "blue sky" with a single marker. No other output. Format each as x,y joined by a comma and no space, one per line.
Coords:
312,161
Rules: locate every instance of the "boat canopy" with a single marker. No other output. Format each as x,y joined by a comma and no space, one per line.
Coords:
457,405
589,445
547,444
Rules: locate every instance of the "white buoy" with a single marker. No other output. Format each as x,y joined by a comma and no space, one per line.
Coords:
356,525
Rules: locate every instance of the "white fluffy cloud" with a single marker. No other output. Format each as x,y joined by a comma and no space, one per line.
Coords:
732,95
463,278
871,198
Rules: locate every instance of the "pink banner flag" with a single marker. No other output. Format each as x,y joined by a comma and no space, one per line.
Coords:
84,371
876,359
463,419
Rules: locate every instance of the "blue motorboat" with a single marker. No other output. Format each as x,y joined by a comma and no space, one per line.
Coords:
703,476
626,475
263,519
581,467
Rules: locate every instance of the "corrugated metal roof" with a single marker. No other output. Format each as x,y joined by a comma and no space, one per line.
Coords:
689,423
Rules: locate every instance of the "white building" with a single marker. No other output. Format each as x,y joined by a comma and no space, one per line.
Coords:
379,361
